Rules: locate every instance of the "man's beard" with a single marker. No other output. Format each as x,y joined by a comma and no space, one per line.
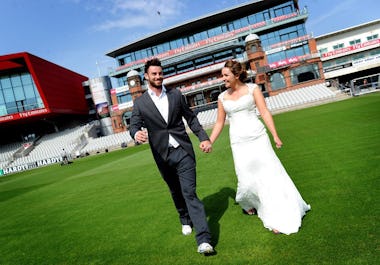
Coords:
153,84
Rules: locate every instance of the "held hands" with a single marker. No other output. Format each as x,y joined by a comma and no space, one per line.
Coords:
206,146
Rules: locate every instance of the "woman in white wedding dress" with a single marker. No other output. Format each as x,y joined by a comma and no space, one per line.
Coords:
264,187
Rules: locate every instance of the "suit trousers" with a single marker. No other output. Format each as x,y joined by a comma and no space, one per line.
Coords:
179,172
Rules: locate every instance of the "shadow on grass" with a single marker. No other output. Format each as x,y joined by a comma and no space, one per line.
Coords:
215,206
9,194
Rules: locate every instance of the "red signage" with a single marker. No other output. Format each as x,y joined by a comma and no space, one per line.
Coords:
289,61
351,48
21,115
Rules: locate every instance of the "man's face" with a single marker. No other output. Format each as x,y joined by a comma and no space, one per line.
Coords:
154,76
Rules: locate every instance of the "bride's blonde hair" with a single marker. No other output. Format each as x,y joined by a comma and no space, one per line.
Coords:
237,69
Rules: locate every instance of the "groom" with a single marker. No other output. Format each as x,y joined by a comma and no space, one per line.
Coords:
160,111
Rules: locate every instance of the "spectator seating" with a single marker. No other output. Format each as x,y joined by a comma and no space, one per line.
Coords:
109,142
77,141
282,101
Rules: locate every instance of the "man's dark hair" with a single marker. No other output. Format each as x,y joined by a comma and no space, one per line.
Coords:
152,62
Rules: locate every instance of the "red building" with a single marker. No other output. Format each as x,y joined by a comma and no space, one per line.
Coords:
36,94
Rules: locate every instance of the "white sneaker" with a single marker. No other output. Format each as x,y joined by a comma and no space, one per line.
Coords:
205,248
186,230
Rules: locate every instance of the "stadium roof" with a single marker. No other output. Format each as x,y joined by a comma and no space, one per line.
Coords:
199,23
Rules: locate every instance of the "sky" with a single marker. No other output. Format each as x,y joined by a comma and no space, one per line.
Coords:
77,34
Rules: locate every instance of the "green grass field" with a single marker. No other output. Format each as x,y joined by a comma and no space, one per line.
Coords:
114,208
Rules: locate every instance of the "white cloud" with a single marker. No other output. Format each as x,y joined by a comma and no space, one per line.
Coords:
146,14
333,11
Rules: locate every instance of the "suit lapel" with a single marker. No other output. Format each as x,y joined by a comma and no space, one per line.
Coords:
151,108
171,103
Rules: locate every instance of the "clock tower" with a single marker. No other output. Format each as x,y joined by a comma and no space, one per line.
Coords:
134,84
257,59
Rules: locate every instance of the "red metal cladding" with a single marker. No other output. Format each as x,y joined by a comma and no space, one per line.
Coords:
60,89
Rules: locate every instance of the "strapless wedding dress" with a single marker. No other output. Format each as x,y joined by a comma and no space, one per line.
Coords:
263,182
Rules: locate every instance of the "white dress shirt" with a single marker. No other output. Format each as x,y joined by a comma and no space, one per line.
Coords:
162,105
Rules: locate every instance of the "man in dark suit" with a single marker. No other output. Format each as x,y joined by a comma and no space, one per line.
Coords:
160,111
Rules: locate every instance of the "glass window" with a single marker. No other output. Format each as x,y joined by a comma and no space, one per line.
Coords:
373,37
211,32
26,79
19,93
124,98
15,80
144,53
358,56
197,37
11,107
244,21
203,61
277,81
128,58
191,39
354,42
278,12
224,28
173,44
179,42
374,52
199,99
31,103
30,91
138,55
342,60
222,56
252,19
8,95
3,110
218,30
230,26
121,61
160,49
169,71
40,103
266,15
166,46
184,67
5,82
237,24
259,17
338,46
154,50
304,73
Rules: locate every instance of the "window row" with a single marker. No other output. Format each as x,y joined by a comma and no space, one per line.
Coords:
283,9
290,53
297,75
351,58
350,43
18,93
196,63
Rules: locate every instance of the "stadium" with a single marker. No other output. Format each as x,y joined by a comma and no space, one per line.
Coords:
75,189
48,111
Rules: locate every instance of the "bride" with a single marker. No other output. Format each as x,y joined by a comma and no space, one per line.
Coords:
264,187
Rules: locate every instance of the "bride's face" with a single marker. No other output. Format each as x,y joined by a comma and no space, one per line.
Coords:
228,77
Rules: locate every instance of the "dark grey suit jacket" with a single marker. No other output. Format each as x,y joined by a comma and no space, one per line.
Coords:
145,114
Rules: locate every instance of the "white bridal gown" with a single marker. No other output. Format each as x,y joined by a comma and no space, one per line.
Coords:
263,182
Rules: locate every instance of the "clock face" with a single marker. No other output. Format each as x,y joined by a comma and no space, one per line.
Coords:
132,83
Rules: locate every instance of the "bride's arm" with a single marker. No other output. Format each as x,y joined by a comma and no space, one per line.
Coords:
218,127
267,116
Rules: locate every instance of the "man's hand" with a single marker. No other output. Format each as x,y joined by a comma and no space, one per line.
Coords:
141,136
206,146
